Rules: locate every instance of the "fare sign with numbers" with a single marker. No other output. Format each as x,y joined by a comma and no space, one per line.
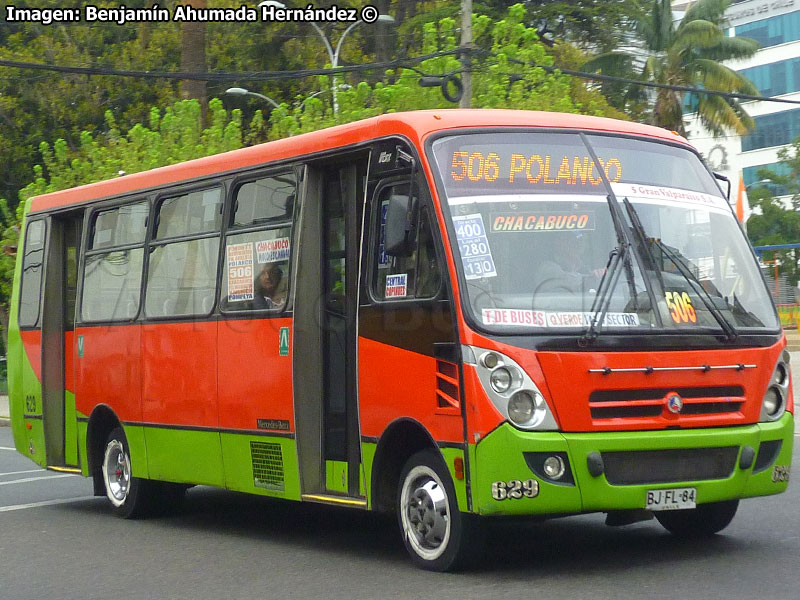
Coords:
476,256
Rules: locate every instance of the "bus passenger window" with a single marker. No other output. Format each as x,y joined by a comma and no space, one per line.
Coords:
266,200
417,275
256,275
182,274
192,213
32,274
258,245
112,275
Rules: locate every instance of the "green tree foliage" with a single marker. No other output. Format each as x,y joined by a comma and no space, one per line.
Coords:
779,221
586,24
38,105
511,77
173,136
688,53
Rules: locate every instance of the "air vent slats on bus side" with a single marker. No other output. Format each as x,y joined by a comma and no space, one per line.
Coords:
267,460
447,388
651,402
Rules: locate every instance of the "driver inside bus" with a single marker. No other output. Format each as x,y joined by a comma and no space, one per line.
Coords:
562,271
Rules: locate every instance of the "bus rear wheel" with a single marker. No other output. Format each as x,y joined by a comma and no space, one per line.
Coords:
705,520
434,530
129,496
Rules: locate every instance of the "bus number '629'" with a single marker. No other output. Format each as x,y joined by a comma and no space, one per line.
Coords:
515,489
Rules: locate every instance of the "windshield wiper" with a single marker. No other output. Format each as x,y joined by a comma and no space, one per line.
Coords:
602,298
727,327
622,253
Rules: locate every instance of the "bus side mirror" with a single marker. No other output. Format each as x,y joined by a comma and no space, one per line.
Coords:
399,240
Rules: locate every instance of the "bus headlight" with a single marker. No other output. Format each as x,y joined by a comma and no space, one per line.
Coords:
510,389
772,402
500,380
773,405
521,407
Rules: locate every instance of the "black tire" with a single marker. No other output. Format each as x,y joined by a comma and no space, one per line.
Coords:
437,536
130,497
703,521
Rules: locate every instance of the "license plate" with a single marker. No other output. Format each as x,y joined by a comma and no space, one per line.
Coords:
672,499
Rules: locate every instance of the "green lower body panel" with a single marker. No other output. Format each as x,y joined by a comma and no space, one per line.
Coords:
181,455
630,464
261,465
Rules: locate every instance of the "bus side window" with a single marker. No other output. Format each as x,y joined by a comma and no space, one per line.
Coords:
258,245
112,274
32,274
414,276
182,274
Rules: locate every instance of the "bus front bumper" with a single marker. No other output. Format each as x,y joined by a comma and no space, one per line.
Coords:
615,471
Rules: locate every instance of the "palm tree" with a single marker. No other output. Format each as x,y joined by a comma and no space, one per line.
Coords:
684,54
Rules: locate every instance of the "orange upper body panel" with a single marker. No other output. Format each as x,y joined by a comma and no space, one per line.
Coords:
179,373
255,381
109,372
416,126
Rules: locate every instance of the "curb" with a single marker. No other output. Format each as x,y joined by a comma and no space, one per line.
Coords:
5,422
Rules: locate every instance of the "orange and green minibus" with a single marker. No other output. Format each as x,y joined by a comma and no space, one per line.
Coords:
450,315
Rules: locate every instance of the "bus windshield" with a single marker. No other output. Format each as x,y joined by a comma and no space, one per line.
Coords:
545,242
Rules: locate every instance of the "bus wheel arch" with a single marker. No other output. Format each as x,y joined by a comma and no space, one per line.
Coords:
400,441
102,422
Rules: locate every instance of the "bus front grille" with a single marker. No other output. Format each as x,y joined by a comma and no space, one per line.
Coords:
669,466
267,465
652,402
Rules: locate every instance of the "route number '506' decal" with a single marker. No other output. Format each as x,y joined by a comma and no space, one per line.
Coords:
680,307
515,489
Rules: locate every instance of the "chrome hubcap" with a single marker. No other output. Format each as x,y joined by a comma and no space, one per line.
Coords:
425,513
116,473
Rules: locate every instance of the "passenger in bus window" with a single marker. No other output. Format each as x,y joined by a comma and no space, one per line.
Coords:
270,290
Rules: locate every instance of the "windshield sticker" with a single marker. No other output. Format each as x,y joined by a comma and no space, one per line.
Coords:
272,250
584,319
680,307
511,316
396,285
383,258
551,221
240,271
476,256
667,193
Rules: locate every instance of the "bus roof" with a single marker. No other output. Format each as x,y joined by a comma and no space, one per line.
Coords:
416,126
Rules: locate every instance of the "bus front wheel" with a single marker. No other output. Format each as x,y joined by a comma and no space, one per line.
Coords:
705,520
128,495
434,530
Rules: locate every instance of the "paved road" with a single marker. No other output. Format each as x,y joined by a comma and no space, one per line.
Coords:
56,541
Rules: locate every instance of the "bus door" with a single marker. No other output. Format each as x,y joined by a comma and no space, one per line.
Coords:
58,343
326,404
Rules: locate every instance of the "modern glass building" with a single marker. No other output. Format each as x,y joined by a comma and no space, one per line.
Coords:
775,70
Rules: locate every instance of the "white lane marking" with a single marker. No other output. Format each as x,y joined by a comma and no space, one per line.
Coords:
29,479
4,448
44,503
23,472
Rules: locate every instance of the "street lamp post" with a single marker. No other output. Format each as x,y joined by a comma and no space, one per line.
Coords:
763,182
332,54
341,87
237,91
